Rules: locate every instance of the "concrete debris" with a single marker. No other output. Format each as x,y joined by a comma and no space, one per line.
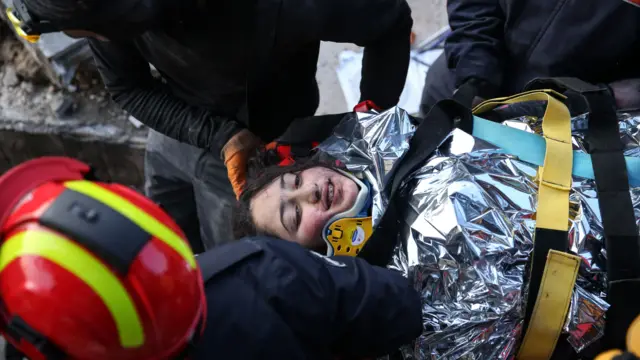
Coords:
58,55
135,122
27,86
68,107
39,118
12,51
10,78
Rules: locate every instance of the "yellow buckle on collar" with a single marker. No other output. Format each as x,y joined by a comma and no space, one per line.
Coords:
17,26
349,235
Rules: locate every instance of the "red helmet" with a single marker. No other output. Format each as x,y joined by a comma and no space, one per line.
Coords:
90,270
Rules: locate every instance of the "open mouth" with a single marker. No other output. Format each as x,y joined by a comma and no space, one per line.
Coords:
328,195
331,195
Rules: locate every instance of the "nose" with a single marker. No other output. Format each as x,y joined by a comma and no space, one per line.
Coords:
309,193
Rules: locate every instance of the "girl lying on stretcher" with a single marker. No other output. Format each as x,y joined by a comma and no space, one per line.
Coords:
309,201
464,237
301,202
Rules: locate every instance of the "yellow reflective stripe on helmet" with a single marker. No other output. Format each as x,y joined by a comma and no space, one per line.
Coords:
83,265
137,216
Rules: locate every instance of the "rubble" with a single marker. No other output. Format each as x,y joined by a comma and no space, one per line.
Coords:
38,118
10,78
13,52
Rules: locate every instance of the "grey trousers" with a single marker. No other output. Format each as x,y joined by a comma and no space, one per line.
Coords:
439,85
191,184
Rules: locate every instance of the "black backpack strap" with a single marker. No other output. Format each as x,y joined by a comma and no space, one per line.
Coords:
429,135
215,261
616,207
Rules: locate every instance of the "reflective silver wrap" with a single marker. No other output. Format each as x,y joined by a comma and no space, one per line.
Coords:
469,231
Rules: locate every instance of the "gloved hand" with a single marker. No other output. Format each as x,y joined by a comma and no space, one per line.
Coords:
235,153
626,93
474,91
477,100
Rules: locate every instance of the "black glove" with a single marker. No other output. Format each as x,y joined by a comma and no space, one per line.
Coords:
474,91
627,93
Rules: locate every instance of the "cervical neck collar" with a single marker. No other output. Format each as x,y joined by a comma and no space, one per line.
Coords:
347,232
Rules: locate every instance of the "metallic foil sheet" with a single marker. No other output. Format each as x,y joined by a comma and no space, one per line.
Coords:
469,230
370,146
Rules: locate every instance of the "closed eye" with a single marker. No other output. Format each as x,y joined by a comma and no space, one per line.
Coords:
298,216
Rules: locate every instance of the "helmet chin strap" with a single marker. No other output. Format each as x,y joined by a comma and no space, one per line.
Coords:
347,232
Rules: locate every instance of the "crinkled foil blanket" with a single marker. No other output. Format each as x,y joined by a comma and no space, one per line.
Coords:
469,231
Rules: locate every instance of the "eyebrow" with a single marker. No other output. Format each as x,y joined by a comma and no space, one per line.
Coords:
282,205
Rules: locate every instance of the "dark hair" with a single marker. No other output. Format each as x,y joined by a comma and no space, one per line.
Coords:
263,168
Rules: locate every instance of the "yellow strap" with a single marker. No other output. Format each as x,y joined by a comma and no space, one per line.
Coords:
83,265
554,184
145,221
555,174
552,305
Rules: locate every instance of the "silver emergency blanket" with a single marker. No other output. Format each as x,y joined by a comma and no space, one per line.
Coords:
469,229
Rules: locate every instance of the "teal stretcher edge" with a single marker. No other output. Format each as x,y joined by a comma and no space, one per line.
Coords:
531,148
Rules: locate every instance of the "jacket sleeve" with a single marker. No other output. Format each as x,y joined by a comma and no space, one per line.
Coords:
128,79
383,28
475,47
342,303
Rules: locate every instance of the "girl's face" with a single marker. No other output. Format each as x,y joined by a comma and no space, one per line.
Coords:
296,207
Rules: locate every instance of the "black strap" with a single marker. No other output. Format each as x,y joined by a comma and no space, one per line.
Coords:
429,135
223,257
107,233
616,207
624,298
561,84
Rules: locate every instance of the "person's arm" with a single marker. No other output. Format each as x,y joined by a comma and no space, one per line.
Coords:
475,47
341,303
128,79
383,28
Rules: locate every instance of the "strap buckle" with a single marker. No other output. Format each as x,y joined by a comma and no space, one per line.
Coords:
553,185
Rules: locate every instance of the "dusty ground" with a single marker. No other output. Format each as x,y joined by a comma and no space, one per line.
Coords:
428,17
